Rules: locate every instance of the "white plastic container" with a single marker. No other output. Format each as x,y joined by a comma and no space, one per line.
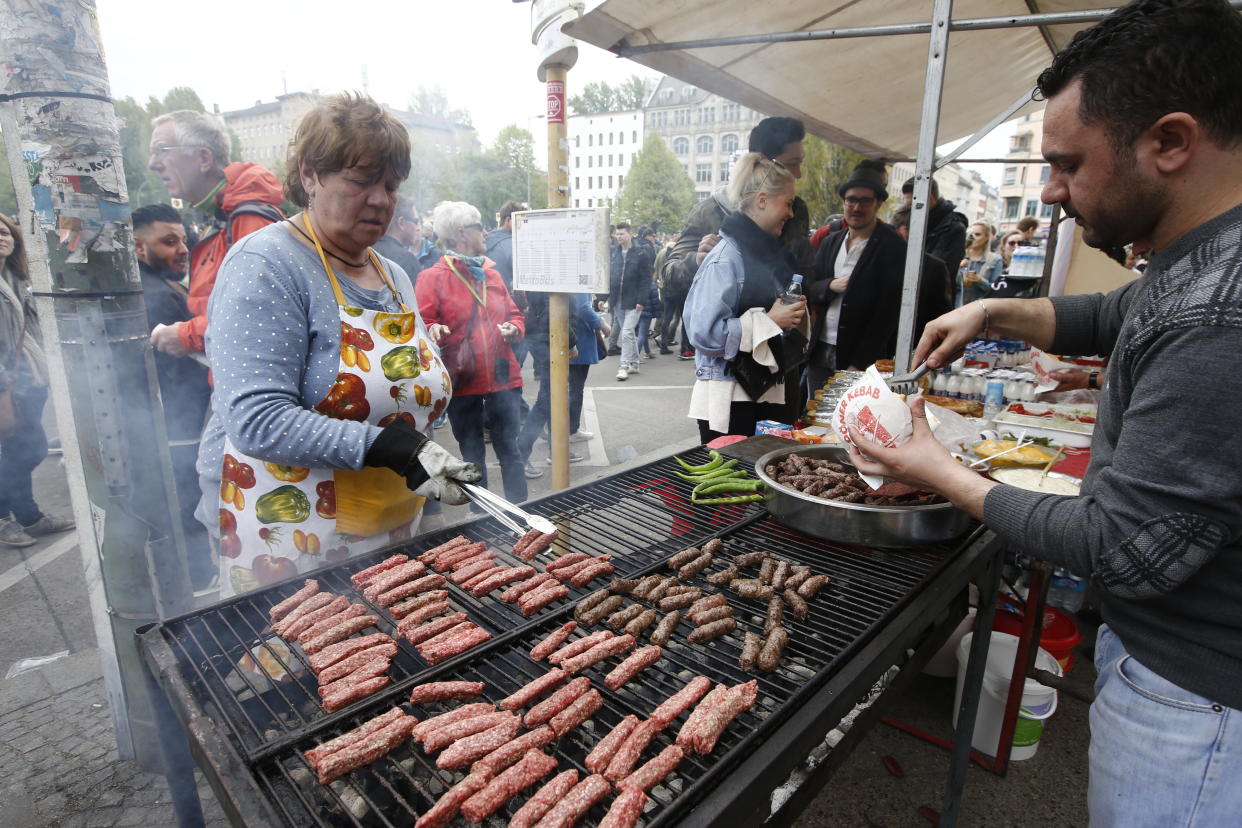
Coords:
1037,705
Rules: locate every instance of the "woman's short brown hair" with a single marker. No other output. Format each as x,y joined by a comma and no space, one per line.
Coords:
346,130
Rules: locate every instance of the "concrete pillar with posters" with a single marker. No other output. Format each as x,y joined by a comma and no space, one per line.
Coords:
557,55
61,145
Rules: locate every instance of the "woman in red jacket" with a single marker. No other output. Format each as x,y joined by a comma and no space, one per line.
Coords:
463,291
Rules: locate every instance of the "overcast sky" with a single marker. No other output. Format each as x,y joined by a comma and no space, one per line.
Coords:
235,53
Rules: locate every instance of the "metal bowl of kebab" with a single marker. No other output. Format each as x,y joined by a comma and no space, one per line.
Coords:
904,518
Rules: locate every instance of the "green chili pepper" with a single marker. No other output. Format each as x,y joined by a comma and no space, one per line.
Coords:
726,478
723,470
729,486
720,501
716,459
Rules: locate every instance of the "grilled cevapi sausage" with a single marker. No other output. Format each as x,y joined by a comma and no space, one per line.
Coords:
773,648
714,630
749,558
694,567
664,630
776,613
751,646
724,576
797,605
602,610
813,585
753,588
683,557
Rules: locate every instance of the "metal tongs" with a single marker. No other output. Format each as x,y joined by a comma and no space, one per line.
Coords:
499,508
907,383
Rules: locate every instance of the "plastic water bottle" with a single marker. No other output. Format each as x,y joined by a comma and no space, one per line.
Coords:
994,399
1066,590
793,293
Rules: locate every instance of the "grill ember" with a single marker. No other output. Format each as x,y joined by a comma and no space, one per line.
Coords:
642,727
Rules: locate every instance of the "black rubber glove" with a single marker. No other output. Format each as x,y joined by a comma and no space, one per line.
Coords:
427,468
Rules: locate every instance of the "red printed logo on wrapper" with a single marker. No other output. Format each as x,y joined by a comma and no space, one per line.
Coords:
556,102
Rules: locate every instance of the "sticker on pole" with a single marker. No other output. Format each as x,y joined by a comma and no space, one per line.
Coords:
556,102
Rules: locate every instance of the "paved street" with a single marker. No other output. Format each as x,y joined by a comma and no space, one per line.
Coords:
58,753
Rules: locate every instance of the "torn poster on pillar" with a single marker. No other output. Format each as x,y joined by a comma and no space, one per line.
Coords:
81,199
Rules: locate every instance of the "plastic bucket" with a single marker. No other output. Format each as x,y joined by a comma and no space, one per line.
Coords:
1038,702
1059,636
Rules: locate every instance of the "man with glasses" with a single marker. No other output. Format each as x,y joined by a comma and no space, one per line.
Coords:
856,289
190,153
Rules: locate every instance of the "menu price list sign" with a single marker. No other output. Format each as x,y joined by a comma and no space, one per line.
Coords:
561,251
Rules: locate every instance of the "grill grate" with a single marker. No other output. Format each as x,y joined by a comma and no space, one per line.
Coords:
644,513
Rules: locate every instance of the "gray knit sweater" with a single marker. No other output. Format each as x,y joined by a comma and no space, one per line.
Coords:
1158,526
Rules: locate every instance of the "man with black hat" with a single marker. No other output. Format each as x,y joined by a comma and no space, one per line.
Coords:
856,286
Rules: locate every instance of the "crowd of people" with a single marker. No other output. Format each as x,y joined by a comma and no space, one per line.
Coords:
380,325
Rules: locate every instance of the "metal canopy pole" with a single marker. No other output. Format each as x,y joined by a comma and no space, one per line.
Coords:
933,89
971,24
981,133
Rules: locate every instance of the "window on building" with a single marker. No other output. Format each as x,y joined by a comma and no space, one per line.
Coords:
681,117
703,173
635,137
577,141
1043,173
701,195
590,182
1020,143
620,181
708,115
577,162
610,182
731,112
687,92
577,202
728,143
600,161
621,137
610,160
1011,207
590,202
681,146
1045,211
610,139
724,172
1032,206
590,140
590,160
705,145
577,183
1011,176
666,95
685,168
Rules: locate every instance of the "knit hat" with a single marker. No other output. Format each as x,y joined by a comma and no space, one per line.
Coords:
865,175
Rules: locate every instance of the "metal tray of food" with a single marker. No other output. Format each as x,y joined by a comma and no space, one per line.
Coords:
856,523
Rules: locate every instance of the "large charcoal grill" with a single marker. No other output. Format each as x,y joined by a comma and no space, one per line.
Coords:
248,735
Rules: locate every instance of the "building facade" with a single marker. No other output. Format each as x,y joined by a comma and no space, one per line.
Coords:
602,147
265,129
1024,177
974,197
704,131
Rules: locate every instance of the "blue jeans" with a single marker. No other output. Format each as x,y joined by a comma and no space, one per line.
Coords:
577,385
1160,755
540,413
21,453
629,338
499,408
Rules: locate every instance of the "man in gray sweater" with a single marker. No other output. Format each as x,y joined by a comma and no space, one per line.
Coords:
1143,131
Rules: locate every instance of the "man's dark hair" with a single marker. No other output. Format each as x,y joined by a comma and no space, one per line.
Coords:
1028,223
621,225
908,187
151,213
509,208
645,231
1153,57
771,135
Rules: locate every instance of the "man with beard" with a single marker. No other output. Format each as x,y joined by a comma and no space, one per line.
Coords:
159,243
1143,131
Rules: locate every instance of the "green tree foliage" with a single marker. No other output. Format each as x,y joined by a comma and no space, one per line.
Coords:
601,96
505,170
657,191
825,168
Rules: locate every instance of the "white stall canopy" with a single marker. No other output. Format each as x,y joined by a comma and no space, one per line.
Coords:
862,92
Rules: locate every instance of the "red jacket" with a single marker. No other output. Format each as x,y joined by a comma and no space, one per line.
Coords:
444,299
246,182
